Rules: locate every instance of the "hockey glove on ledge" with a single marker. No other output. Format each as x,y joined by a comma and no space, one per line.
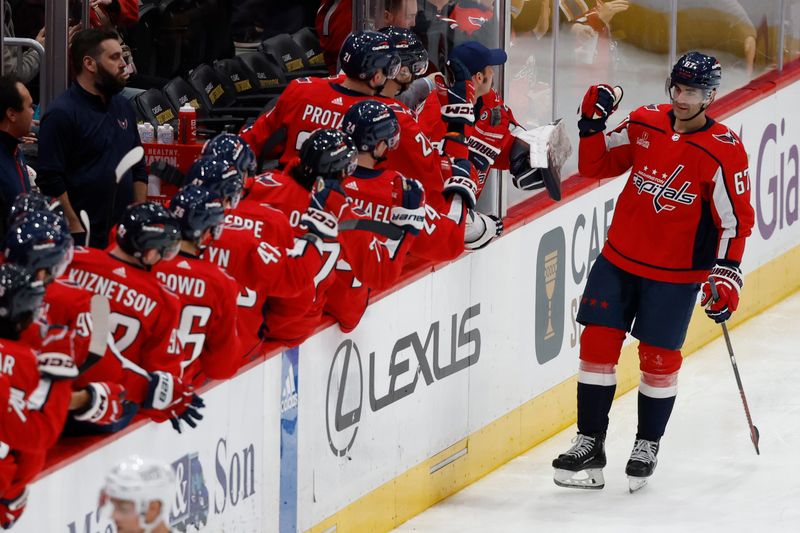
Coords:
728,280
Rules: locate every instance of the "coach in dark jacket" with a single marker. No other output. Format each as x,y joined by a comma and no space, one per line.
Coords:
83,136
16,106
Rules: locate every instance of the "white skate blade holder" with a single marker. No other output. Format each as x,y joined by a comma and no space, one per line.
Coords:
636,483
590,478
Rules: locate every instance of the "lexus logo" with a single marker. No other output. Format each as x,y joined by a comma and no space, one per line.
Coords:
343,401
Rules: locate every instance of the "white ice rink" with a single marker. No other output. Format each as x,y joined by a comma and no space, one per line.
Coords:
709,477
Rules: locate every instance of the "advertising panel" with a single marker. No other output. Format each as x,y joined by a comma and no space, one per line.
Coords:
222,483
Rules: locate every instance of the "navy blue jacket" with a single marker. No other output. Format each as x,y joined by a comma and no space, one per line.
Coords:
13,174
81,141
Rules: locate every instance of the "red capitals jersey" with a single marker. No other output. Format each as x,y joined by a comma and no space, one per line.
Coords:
207,324
309,104
489,137
686,202
37,410
265,274
65,305
144,316
265,222
442,237
291,320
369,260
68,306
37,406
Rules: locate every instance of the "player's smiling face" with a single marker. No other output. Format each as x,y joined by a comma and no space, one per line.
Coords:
687,101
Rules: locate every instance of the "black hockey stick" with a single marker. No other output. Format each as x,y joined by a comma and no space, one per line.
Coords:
754,435
381,228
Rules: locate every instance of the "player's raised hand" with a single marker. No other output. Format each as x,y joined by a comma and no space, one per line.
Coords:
458,100
599,102
408,210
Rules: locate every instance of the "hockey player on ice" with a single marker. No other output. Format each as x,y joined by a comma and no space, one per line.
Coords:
683,216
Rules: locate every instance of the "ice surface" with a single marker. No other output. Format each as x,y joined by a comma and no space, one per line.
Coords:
709,477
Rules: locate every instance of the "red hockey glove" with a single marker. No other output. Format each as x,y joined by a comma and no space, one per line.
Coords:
105,404
728,281
598,104
408,210
328,200
462,182
11,509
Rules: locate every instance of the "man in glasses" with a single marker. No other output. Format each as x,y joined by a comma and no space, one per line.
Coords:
681,220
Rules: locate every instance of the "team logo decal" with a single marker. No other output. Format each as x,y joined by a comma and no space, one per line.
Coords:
659,186
727,138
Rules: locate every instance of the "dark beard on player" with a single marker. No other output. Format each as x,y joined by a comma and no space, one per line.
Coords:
107,83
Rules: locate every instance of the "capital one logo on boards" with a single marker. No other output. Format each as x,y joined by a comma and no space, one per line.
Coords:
550,295
414,357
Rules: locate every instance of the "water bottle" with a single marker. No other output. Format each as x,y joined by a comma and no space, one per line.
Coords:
187,119
146,132
166,135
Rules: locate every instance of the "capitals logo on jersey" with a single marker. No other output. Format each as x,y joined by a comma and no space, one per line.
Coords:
659,187
728,138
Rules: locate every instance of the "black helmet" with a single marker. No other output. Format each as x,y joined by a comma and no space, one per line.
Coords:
33,201
231,147
413,54
197,210
364,53
327,154
220,177
20,296
38,240
369,122
149,226
698,70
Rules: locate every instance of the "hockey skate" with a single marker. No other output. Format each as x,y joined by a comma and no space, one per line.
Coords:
642,463
581,467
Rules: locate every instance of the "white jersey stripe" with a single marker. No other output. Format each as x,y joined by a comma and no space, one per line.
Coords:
617,138
724,208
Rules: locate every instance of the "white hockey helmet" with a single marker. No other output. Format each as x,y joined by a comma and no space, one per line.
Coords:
142,481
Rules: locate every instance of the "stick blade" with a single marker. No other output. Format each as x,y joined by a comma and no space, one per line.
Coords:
128,161
755,436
